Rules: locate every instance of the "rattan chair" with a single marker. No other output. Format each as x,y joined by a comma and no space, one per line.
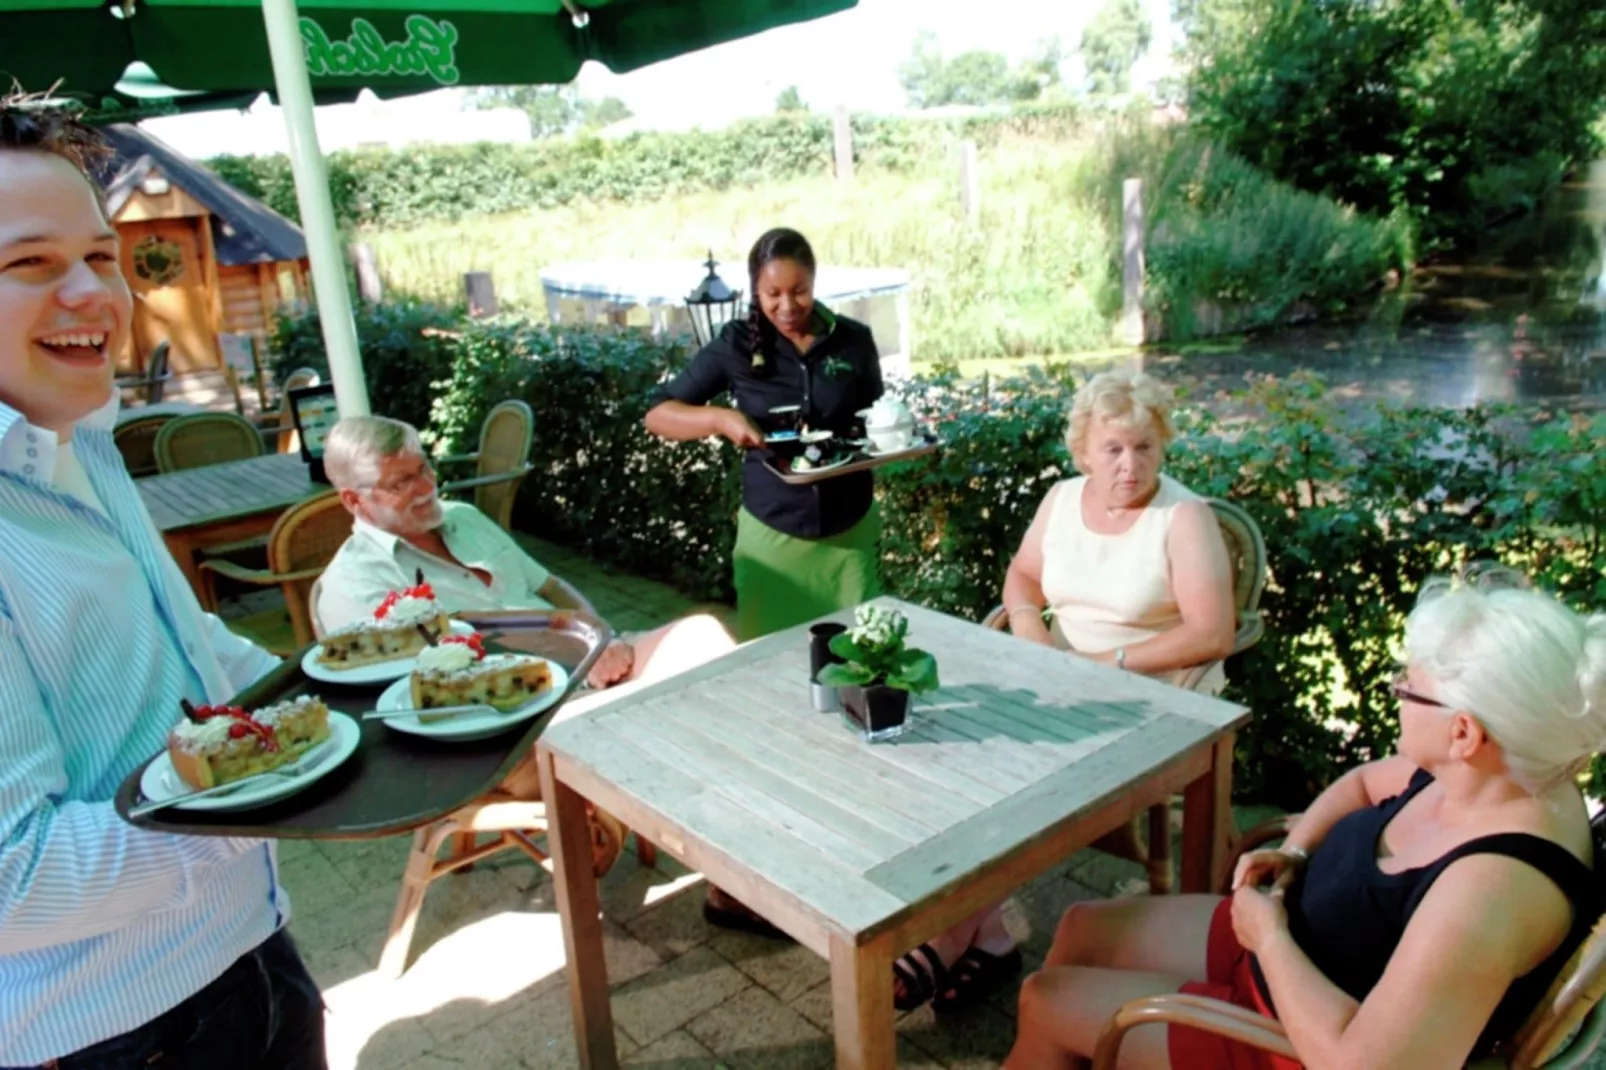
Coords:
1561,1034
280,427
135,439
152,382
501,462
299,547
1246,554
206,438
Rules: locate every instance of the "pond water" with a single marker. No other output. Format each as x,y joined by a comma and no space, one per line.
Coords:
1521,318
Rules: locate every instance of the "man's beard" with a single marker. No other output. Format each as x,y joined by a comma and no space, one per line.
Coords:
417,519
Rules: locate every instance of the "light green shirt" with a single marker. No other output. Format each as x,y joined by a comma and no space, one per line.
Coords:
372,563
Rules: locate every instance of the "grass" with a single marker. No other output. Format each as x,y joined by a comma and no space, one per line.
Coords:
1036,274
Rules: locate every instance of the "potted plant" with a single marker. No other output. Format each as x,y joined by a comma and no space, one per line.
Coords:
878,673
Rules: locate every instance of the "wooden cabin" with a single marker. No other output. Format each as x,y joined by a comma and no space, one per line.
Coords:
204,260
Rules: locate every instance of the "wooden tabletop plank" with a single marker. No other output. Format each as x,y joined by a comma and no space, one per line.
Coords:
746,789
800,762
1074,790
818,884
211,494
817,741
1019,740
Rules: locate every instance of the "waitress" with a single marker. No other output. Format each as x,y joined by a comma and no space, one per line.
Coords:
801,551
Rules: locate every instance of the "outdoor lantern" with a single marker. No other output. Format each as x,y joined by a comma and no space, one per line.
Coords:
313,410
713,304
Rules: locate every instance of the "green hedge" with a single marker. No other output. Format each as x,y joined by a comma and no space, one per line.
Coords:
1357,507
423,183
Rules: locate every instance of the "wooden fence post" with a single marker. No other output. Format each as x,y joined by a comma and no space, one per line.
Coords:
481,294
1132,328
844,145
369,288
969,181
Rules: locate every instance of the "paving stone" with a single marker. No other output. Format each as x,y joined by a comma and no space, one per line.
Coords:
675,925
533,1032
666,999
784,969
756,1031
677,1051
364,863
977,1038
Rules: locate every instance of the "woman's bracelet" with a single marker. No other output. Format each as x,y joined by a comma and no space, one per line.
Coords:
1036,611
1299,854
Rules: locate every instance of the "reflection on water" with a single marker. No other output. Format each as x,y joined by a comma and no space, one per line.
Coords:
1520,319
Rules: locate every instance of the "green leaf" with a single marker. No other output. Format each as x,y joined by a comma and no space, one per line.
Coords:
917,672
849,675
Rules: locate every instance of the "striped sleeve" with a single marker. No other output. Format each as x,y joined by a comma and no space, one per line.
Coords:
71,870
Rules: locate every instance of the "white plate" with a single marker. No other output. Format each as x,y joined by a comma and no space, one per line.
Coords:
849,459
160,782
467,726
377,673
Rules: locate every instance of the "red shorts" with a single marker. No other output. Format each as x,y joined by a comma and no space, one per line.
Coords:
1230,979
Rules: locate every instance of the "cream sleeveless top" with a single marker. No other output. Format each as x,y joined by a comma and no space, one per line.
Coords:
1112,590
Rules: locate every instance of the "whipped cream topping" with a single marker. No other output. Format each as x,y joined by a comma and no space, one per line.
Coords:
209,735
447,657
271,715
410,611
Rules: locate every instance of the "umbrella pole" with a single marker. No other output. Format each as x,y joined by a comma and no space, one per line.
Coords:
317,210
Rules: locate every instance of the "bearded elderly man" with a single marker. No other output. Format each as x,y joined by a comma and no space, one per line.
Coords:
401,527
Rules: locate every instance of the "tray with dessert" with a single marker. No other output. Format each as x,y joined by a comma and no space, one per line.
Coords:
355,777
478,693
385,646
891,435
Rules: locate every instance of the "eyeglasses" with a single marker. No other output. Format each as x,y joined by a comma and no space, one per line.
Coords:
1402,691
397,486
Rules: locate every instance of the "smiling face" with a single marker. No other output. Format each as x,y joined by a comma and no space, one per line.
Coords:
401,499
785,291
64,304
1122,461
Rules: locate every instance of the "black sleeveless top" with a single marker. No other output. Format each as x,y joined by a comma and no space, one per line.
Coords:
1348,916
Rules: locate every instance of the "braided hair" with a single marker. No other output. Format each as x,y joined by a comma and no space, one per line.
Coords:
41,122
758,333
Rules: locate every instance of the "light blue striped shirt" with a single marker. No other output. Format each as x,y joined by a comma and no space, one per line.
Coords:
103,926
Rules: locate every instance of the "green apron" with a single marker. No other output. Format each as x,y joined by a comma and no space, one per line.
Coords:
783,580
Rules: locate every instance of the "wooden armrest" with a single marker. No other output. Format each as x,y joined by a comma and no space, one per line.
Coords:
1212,1015
484,481
259,576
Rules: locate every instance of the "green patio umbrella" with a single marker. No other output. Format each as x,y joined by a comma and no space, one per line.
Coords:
134,57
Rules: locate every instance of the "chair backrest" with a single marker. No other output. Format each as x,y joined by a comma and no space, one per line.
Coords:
505,440
206,438
135,439
289,441
306,536
156,373
1246,550
312,608
1569,1021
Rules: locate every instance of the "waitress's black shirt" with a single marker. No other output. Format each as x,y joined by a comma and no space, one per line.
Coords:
837,377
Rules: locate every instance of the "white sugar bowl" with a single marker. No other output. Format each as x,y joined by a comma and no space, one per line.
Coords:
889,424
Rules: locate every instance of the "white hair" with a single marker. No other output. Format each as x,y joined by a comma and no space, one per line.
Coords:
1127,399
1528,668
357,445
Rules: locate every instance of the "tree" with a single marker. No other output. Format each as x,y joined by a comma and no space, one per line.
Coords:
1456,113
553,110
789,100
977,77
1112,43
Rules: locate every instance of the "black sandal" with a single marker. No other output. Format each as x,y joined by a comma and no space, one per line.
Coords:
923,976
974,975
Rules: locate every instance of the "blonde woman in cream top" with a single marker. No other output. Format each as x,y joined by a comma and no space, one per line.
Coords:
1108,592
1130,562
1136,570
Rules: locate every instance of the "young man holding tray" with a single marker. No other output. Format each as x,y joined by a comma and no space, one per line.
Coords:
119,947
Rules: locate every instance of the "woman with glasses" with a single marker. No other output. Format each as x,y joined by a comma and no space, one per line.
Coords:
1418,911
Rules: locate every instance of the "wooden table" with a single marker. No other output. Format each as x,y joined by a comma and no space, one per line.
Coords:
219,503
863,851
